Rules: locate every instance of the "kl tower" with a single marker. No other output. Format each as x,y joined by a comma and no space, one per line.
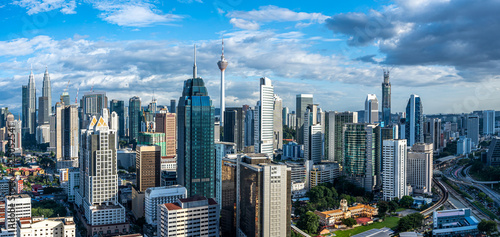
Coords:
222,66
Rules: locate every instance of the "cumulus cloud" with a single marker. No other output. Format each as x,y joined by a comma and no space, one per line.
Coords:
456,33
250,19
136,14
38,6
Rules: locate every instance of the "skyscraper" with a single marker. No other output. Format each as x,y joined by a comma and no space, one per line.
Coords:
394,171
166,123
264,115
371,109
301,103
29,106
43,111
172,106
118,106
148,166
341,118
263,197
489,122
134,113
432,132
234,127
98,190
277,123
47,92
249,127
386,99
222,66
91,105
195,139
414,127
361,154
420,168
473,129
70,131
313,135
284,116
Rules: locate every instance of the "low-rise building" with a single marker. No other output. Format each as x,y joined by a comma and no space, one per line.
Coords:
53,227
161,195
456,222
334,216
177,219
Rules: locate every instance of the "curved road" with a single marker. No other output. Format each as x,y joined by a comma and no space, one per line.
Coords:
441,201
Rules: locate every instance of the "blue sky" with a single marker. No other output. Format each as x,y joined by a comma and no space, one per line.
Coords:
446,51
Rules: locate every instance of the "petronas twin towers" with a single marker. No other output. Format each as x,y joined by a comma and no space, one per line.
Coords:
29,104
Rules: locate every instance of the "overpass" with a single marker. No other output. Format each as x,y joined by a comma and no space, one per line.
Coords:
441,202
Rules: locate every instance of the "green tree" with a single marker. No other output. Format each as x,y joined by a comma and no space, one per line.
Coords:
410,222
383,206
482,195
393,205
406,201
309,223
487,227
349,222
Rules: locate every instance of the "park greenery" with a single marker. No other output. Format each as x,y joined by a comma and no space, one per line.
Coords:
410,222
487,227
288,133
484,172
309,222
450,149
47,208
349,222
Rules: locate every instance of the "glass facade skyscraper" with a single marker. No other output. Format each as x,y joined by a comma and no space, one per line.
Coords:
386,99
134,113
196,151
118,106
414,125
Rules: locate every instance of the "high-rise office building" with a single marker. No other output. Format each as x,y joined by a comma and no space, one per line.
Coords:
91,105
65,98
173,107
414,125
313,135
292,120
249,127
166,123
98,191
153,138
361,154
371,109
489,122
341,118
29,106
284,116
386,99
175,219
195,138
264,117
70,132
277,123
43,110
420,167
222,67
118,106
234,127
302,101
227,198
264,194
473,129
134,115
394,169
432,132
148,167
47,91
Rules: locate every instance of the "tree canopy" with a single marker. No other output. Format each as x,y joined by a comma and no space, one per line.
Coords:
309,223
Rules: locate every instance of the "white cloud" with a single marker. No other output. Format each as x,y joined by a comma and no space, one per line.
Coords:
137,14
38,6
274,13
24,46
244,24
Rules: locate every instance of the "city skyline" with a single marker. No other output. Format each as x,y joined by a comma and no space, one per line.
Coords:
303,49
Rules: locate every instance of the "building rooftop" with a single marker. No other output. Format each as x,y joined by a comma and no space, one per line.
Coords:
172,206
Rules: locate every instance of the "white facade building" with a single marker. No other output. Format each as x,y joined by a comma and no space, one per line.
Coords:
195,216
53,227
264,118
73,183
394,156
371,109
98,190
16,207
160,195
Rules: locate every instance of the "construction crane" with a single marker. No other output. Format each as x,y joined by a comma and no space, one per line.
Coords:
76,98
67,86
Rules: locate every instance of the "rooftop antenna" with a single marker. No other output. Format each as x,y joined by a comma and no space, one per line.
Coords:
195,70
92,88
